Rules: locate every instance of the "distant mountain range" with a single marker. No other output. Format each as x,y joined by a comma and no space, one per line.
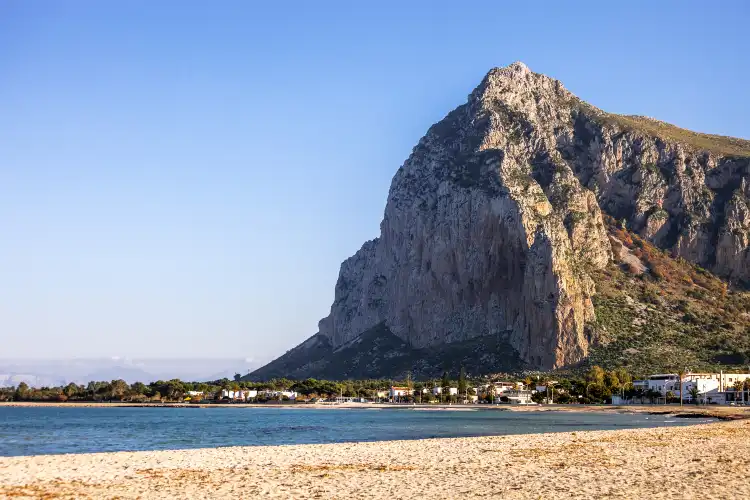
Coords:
54,372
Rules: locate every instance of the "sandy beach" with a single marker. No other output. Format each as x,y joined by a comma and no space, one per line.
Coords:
702,461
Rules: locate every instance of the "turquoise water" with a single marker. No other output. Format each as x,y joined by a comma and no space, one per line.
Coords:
35,431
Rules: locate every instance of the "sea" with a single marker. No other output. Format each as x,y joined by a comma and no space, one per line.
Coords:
55,430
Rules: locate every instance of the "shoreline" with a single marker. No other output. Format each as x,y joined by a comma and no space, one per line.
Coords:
659,462
685,411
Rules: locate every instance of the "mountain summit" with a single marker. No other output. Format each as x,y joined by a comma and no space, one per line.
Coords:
494,232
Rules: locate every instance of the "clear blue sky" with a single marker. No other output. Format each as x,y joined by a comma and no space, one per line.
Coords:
179,179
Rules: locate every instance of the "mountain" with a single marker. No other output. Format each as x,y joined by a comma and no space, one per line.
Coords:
33,380
498,231
55,372
656,312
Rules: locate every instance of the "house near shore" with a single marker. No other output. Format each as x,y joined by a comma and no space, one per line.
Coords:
280,394
640,385
240,395
193,396
452,391
397,393
517,397
710,387
499,387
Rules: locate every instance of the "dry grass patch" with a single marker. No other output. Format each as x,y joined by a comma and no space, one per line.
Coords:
719,144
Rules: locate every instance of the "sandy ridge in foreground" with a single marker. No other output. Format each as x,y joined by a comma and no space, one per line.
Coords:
702,461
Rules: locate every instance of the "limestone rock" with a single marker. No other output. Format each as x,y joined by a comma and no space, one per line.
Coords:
493,225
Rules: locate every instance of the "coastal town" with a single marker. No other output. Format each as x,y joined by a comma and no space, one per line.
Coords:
693,388
597,386
723,388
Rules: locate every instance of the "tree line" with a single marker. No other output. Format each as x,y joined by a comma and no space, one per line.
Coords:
594,386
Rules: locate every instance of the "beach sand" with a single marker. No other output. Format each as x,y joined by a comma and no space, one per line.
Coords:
701,461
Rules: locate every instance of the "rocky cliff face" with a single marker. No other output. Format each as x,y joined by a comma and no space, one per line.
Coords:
493,225
683,191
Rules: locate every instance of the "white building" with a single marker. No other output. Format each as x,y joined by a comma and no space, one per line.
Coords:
727,380
452,391
398,392
663,383
243,394
708,390
518,397
640,384
278,394
704,382
501,387
712,387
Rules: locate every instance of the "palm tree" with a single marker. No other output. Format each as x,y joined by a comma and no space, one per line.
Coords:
462,386
491,392
587,388
694,393
639,393
738,389
680,375
445,386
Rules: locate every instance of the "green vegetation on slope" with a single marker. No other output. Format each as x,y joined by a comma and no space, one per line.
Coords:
675,315
378,353
719,144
